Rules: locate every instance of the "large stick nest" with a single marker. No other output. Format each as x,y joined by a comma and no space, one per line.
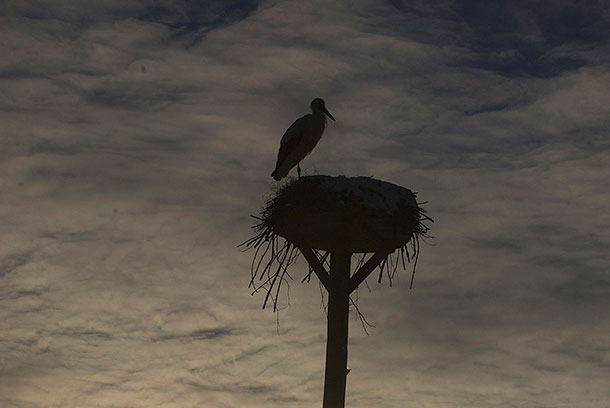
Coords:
357,215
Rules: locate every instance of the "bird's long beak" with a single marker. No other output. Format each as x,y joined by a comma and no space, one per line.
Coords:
328,113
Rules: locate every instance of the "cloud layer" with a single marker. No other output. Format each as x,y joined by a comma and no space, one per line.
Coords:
137,138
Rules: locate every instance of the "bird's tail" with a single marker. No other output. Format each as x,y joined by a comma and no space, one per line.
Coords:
280,172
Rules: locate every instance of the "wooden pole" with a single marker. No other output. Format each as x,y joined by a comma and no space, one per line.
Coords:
335,375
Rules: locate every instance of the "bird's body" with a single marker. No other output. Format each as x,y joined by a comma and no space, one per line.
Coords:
300,139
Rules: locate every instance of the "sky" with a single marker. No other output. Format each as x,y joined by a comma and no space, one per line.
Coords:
137,138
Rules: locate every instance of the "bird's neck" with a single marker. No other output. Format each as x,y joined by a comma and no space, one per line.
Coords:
319,115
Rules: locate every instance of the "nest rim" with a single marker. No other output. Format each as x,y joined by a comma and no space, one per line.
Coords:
306,211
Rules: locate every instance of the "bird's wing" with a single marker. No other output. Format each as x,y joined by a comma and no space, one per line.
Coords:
294,131
291,138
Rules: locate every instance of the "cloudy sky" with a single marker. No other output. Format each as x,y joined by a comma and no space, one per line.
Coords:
138,136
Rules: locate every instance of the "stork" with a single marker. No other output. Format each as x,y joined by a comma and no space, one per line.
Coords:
300,139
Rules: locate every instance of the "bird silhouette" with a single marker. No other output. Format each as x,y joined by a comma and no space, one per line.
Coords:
300,139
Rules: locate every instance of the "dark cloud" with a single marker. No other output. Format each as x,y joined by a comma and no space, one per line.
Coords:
85,334
123,95
488,108
13,261
589,284
192,19
232,388
182,16
200,334
504,244
516,38
526,60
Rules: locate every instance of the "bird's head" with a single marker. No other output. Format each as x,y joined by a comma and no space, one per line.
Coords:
318,105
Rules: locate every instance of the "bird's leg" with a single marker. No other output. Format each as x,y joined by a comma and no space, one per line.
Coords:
299,170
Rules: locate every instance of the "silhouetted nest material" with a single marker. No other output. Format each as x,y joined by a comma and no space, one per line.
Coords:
356,214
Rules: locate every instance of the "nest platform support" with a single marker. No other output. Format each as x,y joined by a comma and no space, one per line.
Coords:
337,216
335,373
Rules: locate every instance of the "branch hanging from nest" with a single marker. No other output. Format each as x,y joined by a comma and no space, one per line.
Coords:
269,268
274,255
